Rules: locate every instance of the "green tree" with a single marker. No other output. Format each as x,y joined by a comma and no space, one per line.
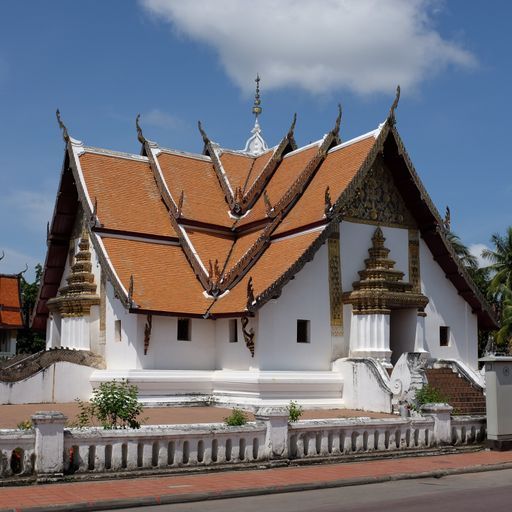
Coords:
467,259
29,341
501,261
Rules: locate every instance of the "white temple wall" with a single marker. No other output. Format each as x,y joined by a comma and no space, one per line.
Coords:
166,352
229,355
307,298
124,340
447,308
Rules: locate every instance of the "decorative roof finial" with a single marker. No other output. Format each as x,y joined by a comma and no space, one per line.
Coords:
256,108
140,136
3,255
391,116
255,144
62,126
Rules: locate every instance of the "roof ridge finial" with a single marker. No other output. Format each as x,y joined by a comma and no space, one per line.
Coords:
62,126
256,107
140,135
391,115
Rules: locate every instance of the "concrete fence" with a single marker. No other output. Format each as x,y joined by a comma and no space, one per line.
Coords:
49,450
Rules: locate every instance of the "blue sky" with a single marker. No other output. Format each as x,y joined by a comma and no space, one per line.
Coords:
176,62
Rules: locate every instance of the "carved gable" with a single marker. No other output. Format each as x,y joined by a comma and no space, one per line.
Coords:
377,201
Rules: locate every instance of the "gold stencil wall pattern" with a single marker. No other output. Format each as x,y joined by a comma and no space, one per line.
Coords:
335,292
414,259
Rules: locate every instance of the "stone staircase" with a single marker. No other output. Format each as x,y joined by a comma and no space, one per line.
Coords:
462,395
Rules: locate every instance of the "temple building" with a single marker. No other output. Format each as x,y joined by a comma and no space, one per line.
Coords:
11,319
256,276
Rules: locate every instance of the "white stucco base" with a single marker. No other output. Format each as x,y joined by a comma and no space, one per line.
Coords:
315,389
61,382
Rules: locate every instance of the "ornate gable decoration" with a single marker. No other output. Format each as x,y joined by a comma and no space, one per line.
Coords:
378,201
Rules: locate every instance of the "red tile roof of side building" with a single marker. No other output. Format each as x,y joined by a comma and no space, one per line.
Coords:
10,303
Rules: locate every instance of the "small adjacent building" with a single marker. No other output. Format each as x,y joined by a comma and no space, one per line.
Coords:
11,318
255,276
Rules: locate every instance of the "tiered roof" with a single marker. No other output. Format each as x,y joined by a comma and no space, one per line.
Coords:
10,302
220,233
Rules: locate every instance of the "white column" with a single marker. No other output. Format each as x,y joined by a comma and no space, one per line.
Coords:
420,339
369,336
75,332
49,447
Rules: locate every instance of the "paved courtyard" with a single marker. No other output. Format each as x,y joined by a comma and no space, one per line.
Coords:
11,415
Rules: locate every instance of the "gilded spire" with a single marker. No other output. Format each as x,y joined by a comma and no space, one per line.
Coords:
255,144
256,108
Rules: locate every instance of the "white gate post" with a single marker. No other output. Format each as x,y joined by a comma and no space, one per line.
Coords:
276,438
49,449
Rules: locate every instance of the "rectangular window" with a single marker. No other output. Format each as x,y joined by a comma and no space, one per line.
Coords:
303,334
117,329
444,336
184,329
233,331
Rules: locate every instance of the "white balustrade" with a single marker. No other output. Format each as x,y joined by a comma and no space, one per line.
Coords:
176,446
17,453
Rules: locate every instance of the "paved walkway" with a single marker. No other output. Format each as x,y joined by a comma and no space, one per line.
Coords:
11,415
121,493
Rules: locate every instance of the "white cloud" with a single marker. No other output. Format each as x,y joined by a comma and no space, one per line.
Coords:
476,251
32,209
161,119
365,46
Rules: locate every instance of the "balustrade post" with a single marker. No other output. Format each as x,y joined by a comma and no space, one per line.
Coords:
276,438
49,444
441,413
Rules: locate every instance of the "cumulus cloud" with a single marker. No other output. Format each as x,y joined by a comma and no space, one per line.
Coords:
476,251
366,46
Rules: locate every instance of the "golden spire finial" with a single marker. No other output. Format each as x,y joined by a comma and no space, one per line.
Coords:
256,108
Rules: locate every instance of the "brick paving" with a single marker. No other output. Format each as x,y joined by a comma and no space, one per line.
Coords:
11,415
168,489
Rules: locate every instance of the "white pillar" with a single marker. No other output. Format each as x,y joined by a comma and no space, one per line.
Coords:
369,336
420,338
442,421
75,332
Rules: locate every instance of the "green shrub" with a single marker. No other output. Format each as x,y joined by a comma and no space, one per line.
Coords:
236,418
25,425
113,405
428,395
294,411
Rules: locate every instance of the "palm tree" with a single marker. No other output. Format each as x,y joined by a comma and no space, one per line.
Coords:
501,261
504,335
467,259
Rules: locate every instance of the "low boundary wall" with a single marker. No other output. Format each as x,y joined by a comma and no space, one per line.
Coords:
49,451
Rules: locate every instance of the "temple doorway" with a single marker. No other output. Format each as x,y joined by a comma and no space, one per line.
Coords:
402,336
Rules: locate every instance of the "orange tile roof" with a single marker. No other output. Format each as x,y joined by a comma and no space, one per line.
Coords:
162,277
10,299
242,170
282,179
210,246
335,172
127,196
241,246
203,197
273,263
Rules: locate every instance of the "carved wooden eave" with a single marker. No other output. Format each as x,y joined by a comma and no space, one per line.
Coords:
381,288
79,295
